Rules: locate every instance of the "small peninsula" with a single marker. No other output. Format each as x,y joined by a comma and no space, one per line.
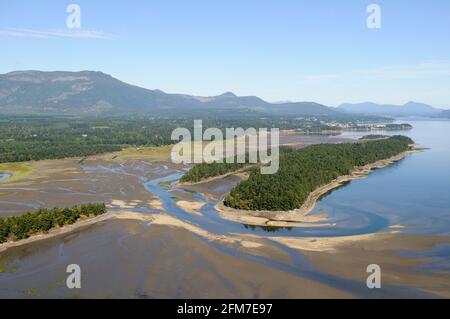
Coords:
303,171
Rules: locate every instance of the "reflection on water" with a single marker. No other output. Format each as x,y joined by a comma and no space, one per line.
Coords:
269,229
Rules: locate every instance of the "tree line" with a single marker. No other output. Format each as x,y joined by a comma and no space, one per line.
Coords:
24,138
204,170
41,221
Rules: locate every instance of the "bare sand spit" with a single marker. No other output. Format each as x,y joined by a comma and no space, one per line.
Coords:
125,260
56,231
247,241
156,219
190,206
343,256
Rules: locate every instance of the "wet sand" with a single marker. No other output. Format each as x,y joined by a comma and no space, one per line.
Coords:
82,223
138,251
190,206
68,182
348,259
146,256
122,258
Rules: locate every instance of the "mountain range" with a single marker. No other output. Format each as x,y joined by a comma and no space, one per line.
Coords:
97,93
88,92
408,109
445,114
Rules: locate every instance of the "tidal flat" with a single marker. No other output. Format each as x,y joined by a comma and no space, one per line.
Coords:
151,246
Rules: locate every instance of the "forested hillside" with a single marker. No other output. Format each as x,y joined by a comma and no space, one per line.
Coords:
96,93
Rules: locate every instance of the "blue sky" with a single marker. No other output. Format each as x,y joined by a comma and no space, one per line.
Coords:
279,50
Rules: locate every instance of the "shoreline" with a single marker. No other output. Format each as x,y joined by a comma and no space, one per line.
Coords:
56,231
246,241
239,172
300,215
294,218
253,242
133,241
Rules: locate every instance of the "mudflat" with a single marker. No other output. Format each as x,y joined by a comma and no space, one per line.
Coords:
125,258
140,250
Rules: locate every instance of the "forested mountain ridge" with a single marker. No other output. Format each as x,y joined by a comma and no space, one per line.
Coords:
408,109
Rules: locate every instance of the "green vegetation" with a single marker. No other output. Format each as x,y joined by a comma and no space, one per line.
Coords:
373,137
41,221
17,170
155,152
204,171
25,138
302,171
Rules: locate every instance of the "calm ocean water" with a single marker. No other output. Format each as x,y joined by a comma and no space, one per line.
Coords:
413,192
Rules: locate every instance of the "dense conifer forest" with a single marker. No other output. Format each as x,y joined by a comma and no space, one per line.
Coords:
36,138
41,221
301,171
25,138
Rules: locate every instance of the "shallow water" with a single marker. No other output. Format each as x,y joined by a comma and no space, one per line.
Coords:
362,222
414,192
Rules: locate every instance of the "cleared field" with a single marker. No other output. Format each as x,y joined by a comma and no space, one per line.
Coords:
156,152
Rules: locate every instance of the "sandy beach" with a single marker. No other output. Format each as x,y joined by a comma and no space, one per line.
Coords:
191,207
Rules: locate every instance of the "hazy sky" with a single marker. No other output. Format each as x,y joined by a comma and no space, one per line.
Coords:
318,50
